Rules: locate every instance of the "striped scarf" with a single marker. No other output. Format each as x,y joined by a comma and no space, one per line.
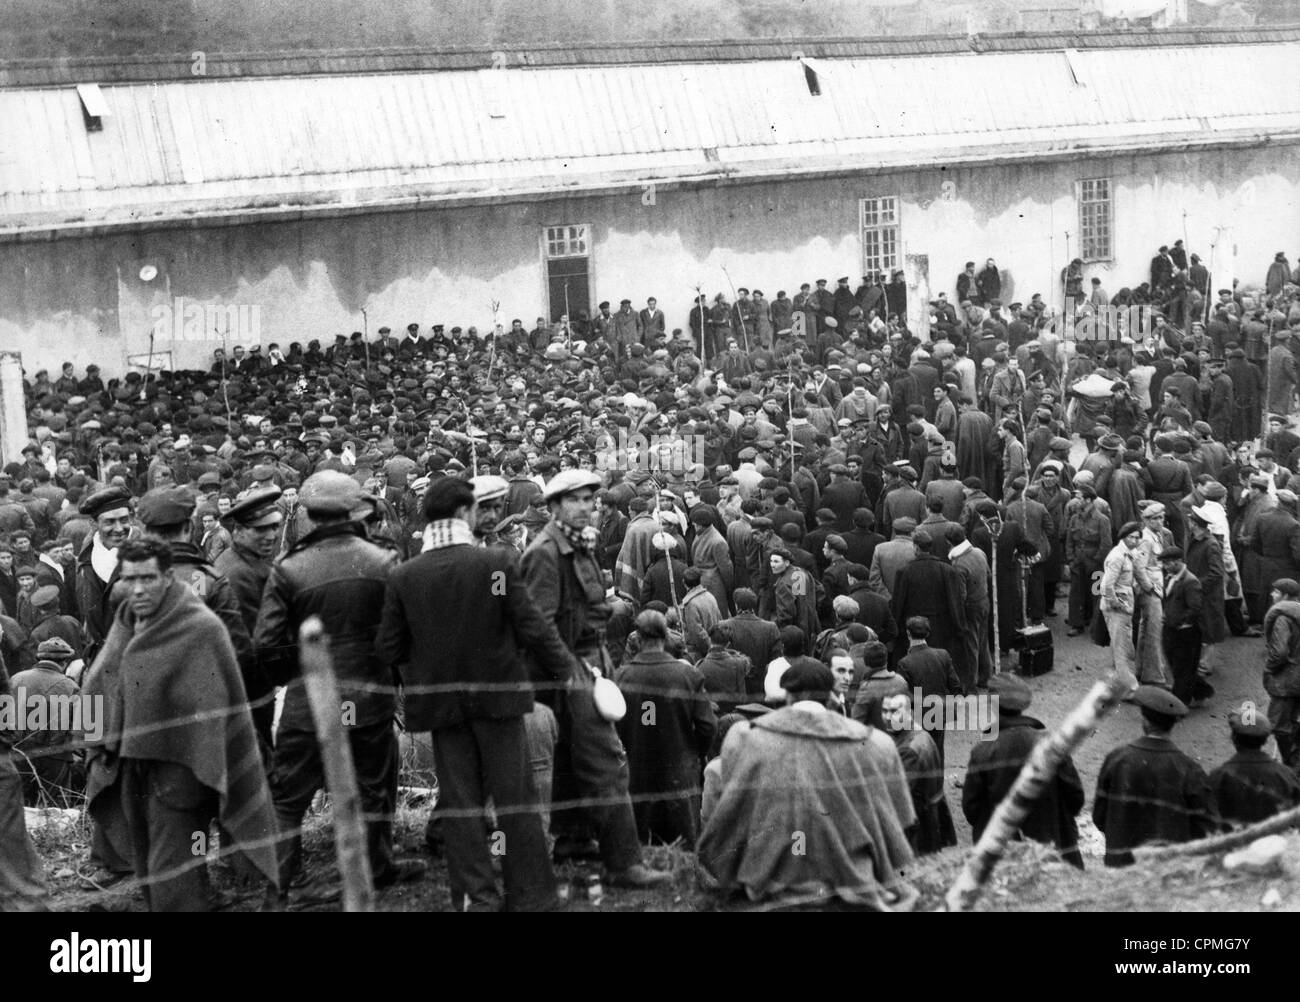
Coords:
446,532
582,540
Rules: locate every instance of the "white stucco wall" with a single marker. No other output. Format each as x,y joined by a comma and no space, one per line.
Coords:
82,300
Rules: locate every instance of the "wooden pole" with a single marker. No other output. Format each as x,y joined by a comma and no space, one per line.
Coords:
668,554
994,526
365,337
735,309
568,319
789,407
699,299
225,393
1218,843
340,776
1038,771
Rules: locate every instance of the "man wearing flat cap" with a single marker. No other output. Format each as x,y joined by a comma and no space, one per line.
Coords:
995,766
1274,539
1168,480
336,573
1119,599
51,759
490,496
932,588
1256,500
1181,634
1282,665
48,622
565,580
22,878
165,513
1282,378
1149,790
1252,786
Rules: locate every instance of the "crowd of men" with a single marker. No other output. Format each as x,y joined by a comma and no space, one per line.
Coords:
643,585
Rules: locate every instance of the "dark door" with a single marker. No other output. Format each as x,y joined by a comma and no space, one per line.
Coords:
567,283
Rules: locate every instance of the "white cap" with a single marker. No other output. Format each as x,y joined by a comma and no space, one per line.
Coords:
488,488
569,480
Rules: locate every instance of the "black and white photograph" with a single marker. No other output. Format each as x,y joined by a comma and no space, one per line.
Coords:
591,456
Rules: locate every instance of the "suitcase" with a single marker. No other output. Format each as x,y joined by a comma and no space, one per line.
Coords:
1036,651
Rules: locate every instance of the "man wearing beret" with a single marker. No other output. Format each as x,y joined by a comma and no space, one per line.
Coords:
995,765
336,573
834,785
1252,786
565,580
1149,790
97,562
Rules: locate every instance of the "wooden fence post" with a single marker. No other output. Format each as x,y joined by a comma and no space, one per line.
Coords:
1038,771
340,776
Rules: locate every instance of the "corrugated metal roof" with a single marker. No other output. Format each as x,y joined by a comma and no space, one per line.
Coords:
204,149
229,65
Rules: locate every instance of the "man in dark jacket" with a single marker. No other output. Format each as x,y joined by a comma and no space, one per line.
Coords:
1181,628
758,639
929,673
725,669
97,563
665,578
1252,786
613,527
254,525
667,734
1168,480
54,567
862,539
165,513
335,573
989,282
564,577
1149,790
843,497
457,620
794,594
1282,665
931,588
995,764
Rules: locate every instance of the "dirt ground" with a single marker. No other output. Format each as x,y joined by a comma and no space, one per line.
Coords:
1028,879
